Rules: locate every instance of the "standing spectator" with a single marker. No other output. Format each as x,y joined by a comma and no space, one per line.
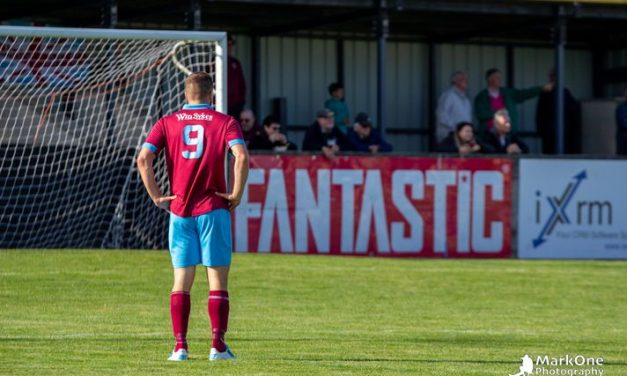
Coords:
248,122
365,138
338,106
502,139
454,106
621,125
495,98
545,120
463,141
236,85
323,136
271,138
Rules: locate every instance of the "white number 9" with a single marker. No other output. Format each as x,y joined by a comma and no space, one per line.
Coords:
191,141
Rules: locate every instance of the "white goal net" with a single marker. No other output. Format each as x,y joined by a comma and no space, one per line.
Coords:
75,107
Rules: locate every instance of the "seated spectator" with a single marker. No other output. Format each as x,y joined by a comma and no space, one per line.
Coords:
502,139
271,138
621,124
248,122
338,106
463,141
323,136
365,138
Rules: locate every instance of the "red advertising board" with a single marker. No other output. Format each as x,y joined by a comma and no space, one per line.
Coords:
384,206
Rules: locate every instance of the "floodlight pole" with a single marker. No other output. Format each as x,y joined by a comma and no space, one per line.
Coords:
560,41
382,34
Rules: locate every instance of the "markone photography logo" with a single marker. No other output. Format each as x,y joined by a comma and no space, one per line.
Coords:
569,365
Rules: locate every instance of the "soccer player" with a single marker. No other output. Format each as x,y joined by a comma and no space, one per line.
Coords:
196,140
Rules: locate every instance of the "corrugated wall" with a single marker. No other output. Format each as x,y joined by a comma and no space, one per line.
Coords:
472,58
406,87
532,67
616,59
300,69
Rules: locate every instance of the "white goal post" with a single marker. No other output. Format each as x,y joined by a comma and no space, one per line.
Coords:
75,107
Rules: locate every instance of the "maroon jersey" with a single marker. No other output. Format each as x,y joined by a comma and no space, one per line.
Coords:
196,141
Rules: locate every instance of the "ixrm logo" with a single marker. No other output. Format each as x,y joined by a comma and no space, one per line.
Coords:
563,365
586,212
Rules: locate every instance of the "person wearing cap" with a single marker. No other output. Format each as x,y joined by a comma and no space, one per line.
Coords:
495,97
324,136
365,138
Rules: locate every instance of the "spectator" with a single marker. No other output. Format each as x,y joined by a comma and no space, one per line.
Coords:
365,138
545,120
502,139
495,98
454,106
271,137
248,122
236,85
323,136
463,141
338,106
621,124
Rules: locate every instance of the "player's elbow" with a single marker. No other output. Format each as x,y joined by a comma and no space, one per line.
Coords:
142,162
242,156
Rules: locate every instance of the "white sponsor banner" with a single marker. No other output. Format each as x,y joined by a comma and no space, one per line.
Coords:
572,209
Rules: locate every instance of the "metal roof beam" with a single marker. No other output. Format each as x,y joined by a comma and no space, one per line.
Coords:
314,23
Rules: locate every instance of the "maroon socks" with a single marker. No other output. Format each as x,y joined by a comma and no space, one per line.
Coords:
179,310
218,307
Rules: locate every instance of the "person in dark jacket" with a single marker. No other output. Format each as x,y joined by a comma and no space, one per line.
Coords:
236,83
271,138
502,139
365,138
545,121
463,141
323,136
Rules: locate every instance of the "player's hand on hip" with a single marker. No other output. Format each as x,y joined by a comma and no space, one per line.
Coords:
163,202
231,198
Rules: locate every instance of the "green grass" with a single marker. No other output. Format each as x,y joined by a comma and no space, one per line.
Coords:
107,313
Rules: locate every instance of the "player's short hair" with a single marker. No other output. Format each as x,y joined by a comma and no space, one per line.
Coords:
335,86
490,72
199,85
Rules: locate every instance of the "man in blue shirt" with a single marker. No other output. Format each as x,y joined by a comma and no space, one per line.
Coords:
365,138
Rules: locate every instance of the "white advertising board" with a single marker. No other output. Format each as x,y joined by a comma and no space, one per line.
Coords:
572,209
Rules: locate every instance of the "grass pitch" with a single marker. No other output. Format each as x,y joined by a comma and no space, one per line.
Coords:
107,313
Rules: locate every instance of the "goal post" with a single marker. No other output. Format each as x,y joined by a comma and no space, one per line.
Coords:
75,107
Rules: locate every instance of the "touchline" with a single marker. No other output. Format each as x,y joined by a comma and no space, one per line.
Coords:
578,360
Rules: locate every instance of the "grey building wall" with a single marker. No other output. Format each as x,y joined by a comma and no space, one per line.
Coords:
300,70
616,59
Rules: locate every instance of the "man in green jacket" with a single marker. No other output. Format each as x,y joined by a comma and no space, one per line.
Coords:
495,97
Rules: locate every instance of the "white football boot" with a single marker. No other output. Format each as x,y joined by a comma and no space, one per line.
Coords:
178,356
225,355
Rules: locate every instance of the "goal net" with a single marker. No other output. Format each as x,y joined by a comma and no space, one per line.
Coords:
75,107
